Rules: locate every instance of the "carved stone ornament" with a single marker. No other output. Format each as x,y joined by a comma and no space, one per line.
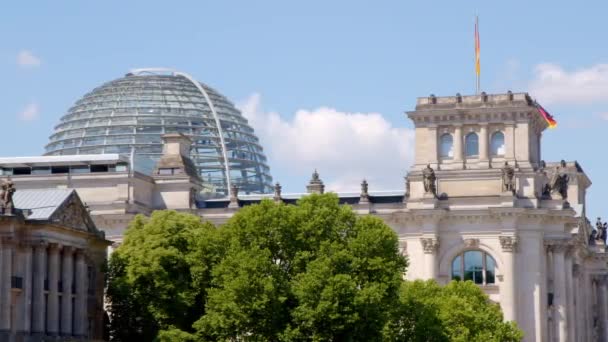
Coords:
508,243
471,243
73,214
429,245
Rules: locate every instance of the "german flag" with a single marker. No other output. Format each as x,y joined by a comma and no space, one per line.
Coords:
548,117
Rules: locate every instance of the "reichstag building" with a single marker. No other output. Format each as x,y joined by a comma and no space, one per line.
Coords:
478,203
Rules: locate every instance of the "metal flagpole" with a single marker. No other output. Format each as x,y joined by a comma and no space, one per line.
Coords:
477,63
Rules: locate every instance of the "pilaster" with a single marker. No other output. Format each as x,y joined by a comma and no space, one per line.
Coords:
458,144
430,246
508,243
559,249
483,145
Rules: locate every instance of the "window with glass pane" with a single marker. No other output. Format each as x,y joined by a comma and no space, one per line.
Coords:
490,270
457,268
446,146
476,266
473,267
497,144
471,142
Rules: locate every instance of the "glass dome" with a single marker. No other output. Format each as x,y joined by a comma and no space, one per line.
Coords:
130,114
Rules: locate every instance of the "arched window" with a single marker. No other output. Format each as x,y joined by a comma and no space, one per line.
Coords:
497,144
446,146
477,266
471,143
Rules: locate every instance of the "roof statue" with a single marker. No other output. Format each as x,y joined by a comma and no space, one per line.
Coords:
6,197
508,182
429,179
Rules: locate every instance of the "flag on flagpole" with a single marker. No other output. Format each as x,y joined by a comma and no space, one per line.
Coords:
548,117
477,64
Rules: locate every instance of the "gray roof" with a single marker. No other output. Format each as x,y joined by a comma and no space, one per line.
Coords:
41,203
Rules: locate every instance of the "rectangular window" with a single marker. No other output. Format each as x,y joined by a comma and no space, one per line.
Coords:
166,171
60,169
22,171
122,167
41,170
79,169
99,168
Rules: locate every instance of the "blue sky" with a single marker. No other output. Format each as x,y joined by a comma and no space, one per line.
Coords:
317,64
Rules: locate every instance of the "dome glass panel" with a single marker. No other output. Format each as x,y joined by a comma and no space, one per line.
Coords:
130,114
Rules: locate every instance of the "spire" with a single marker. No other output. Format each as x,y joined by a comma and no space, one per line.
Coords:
364,198
277,192
315,186
234,198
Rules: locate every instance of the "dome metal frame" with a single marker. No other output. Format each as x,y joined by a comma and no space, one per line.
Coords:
128,116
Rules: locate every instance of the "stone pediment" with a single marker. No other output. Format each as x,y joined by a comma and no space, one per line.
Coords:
72,213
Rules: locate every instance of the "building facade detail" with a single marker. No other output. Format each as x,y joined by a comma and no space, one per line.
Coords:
479,204
45,289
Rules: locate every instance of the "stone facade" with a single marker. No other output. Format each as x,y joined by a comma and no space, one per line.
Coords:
490,211
51,259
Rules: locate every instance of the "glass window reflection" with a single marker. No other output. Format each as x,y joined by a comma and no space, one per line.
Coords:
476,266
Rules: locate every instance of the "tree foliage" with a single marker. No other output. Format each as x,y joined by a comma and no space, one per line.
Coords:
314,271
459,311
159,275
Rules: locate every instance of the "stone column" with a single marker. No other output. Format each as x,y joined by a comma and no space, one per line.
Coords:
66,298
5,288
570,299
579,319
38,302
25,301
603,289
559,294
458,143
80,308
430,247
483,143
52,312
508,289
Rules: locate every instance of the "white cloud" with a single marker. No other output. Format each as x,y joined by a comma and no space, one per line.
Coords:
554,84
30,112
344,147
27,59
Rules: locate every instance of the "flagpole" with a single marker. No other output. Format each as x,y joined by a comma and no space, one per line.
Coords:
477,66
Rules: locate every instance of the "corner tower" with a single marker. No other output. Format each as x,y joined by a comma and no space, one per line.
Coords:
477,132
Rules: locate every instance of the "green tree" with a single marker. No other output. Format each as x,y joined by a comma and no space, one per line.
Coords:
160,274
459,311
314,271
311,272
